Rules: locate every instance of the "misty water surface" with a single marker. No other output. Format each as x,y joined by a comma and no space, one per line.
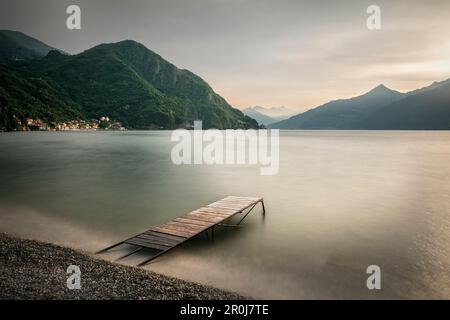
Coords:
342,201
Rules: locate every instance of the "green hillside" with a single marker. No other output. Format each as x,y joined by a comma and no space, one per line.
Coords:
23,97
124,81
15,45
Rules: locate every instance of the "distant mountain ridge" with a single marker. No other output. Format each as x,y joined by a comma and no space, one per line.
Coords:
426,109
274,112
267,116
125,81
432,86
380,108
258,116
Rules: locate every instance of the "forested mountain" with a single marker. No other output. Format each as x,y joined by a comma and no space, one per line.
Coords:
124,81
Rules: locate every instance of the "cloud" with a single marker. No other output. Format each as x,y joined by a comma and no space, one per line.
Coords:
296,53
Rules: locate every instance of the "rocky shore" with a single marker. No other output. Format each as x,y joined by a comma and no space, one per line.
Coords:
35,270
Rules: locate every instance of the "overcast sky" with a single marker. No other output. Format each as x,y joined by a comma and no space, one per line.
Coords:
295,53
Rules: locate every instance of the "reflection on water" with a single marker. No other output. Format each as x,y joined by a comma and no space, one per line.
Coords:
341,202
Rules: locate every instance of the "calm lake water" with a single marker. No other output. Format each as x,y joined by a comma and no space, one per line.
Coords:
342,201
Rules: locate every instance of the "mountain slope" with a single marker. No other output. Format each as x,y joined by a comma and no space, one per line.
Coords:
15,45
426,110
342,114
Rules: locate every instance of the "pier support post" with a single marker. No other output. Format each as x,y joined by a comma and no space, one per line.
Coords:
247,213
130,253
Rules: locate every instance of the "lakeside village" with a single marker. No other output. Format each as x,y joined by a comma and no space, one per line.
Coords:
103,123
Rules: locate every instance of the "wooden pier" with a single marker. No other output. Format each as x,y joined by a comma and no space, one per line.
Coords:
174,232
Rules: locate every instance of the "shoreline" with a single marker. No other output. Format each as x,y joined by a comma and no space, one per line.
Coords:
31,269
